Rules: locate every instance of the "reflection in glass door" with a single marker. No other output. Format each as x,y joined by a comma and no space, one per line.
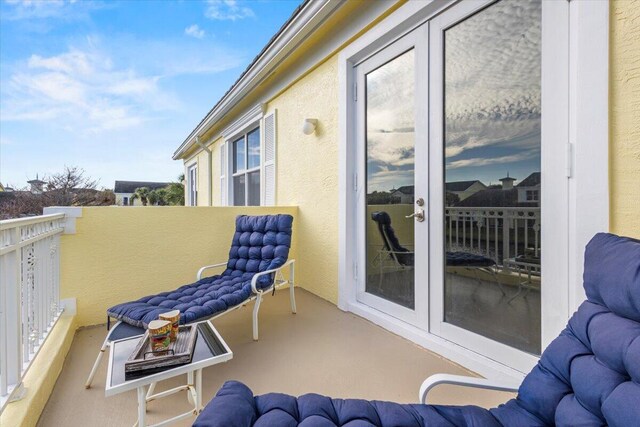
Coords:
390,97
492,180
391,210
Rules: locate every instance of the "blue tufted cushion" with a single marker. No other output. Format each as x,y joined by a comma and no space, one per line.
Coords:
259,243
587,376
466,259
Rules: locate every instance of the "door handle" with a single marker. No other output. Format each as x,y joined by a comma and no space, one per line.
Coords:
418,215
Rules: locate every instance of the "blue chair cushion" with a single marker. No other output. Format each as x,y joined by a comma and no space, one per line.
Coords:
466,259
236,406
260,243
588,376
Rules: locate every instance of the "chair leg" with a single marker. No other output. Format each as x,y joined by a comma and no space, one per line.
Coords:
292,296
256,307
104,347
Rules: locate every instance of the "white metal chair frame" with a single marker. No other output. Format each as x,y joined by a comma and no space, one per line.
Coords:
461,380
279,281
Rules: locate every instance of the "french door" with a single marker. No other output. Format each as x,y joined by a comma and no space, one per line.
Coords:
392,141
462,204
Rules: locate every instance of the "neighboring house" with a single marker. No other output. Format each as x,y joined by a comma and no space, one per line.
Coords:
36,185
125,189
529,190
404,193
339,99
464,189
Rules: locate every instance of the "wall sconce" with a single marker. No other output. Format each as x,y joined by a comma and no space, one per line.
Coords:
309,126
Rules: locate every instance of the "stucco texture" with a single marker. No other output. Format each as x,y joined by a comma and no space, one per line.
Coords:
307,173
120,254
624,117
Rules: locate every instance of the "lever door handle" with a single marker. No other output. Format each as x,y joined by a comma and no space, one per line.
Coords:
418,215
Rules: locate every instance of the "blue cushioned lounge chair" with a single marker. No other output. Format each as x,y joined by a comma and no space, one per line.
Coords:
402,258
587,376
258,256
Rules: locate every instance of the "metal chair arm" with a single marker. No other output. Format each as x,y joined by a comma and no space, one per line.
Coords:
461,380
206,267
254,280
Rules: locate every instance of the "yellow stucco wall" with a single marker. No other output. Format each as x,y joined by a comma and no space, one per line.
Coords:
307,172
123,253
624,117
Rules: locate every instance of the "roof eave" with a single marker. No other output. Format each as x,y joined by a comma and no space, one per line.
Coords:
312,14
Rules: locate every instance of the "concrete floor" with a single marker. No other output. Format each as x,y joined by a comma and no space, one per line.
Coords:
321,349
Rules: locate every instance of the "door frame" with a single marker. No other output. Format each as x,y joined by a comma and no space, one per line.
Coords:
416,40
585,160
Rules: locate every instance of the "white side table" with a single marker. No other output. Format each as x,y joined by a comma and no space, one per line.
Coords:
203,356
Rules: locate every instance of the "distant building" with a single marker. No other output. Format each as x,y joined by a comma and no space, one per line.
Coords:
37,185
507,182
529,189
125,189
404,193
506,195
464,189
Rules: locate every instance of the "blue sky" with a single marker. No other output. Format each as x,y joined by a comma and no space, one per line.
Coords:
115,87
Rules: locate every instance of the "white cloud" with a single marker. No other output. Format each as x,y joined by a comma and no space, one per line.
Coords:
80,89
194,31
486,161
227,10
67,10
105,84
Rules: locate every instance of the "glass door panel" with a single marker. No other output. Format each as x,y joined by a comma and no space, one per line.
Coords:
390,142
492,180
391,136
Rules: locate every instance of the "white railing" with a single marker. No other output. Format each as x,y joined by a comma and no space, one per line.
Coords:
497,233
29,294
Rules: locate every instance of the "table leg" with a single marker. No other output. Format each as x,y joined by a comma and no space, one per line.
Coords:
190,383
142,406
199,390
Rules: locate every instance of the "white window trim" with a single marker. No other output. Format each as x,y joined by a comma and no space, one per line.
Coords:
586,162
192,182
250,120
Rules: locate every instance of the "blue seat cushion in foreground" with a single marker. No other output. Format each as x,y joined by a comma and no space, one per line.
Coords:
588,376
260,243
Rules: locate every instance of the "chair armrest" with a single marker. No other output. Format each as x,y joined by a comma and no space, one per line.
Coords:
254,280
461,380
206,267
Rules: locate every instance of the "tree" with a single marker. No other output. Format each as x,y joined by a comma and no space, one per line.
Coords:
175,193
382,198
72,187
141,193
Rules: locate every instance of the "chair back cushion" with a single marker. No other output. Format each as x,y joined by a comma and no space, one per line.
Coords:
391,243
259,243
590,374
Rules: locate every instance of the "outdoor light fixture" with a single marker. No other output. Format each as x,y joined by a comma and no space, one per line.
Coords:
309,126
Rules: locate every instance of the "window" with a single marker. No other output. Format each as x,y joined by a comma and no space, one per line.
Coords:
246,169
192,185
532,195
248,160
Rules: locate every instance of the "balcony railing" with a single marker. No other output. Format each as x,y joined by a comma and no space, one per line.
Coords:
497,233
29,294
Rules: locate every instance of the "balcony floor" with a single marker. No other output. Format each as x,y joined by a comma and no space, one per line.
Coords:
321,349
